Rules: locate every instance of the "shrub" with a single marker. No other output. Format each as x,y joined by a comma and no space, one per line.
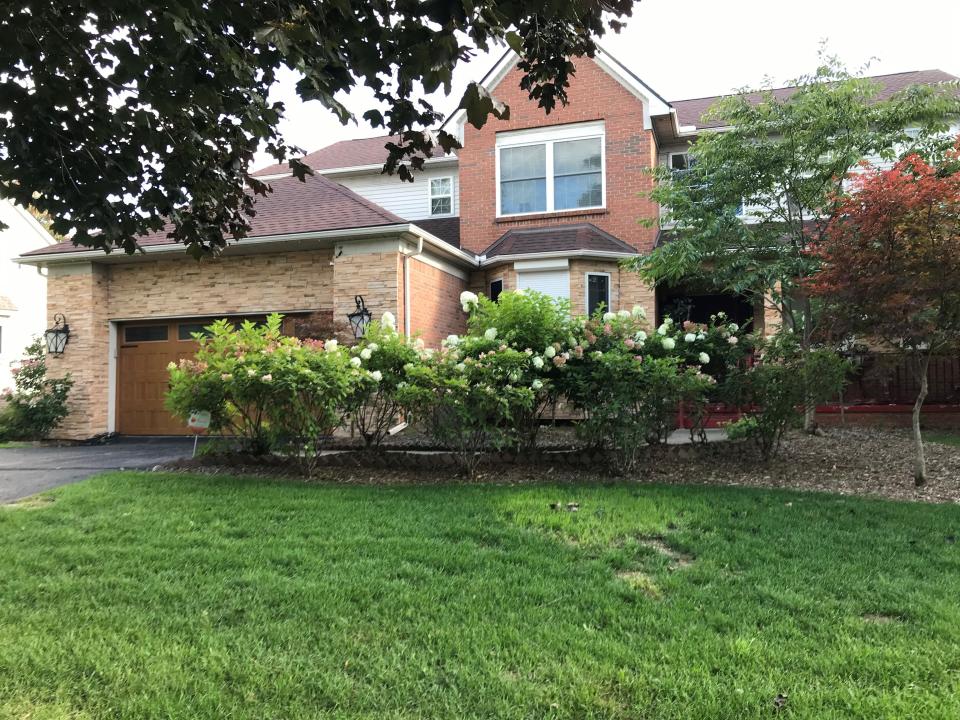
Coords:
376,405
469,395
773,390
272,391
36,404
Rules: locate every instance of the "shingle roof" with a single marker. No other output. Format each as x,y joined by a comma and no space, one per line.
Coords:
557,238
691,112
447,229
293,207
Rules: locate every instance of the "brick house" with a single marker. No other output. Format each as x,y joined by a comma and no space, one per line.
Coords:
546,202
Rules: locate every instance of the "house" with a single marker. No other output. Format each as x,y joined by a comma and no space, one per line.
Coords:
545,202
23,289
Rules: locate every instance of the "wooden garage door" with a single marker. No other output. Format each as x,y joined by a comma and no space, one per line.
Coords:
143,353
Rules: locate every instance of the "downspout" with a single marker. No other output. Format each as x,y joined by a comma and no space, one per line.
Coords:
406,284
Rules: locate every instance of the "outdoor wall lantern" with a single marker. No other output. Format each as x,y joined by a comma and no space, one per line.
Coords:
58,335
359,318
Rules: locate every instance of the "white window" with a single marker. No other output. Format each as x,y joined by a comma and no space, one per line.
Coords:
598,292
551,170
555,283
680,161
441,196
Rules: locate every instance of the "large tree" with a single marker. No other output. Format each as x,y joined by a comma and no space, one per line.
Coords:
117,117
891,265
761,189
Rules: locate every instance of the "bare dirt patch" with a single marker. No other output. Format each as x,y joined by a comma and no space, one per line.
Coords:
640,581
31,503
678,560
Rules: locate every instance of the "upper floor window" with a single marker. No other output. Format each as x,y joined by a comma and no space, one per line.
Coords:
441,196
551,170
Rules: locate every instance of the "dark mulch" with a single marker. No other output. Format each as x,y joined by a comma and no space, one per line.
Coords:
850,461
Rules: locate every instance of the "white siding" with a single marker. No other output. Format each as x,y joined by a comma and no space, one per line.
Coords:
23,285
409,200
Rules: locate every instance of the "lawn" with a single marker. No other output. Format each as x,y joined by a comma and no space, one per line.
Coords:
942,436
161,596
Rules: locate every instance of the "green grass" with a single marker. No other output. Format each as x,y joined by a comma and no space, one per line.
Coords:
944,437
157,596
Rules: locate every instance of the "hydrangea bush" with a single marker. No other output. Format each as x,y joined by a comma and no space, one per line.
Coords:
36,404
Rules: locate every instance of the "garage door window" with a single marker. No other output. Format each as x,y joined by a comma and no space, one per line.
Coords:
145,333
186,331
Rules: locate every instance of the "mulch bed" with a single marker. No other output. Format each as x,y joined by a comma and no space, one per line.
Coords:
850,461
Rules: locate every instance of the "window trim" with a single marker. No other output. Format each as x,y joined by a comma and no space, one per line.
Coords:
431,196
670,157
130,326
548,137
586,290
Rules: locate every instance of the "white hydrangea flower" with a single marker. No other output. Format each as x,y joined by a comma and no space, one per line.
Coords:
704,358
373,347
453,340
572,341
538,362
639,312
689,337
171,365
419,344
733,327
520,291
467,297
389,320
355,362
366,353
623,313
251,372
377,375
668,343
536,384
549,352
330,344
514,377
608,316
640,336
490,334
461,367
701,335
733,340
662,330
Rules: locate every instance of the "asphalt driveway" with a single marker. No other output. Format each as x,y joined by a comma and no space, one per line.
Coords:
28,470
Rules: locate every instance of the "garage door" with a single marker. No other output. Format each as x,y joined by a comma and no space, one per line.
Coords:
143,352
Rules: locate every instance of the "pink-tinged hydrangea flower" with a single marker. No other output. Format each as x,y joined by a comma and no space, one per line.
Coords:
608,329
559,361
591,338
638,358
630,343
578,351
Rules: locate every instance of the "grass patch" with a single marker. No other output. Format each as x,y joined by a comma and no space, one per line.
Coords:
158,596
943,437
12,444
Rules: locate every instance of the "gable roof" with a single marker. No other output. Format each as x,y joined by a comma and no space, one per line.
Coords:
556,239
690,112
447,229
314,205
356,153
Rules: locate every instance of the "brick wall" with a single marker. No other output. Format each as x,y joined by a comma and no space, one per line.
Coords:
435,310
630,150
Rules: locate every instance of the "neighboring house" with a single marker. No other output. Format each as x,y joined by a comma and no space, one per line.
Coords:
546,202
23,289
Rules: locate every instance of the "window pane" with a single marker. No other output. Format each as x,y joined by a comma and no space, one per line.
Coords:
185,331
678,161
523,196
440,186
145,333
577,191
523,163
440,206
576,156
598,293
496,287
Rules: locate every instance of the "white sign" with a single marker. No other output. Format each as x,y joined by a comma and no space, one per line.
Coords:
199,421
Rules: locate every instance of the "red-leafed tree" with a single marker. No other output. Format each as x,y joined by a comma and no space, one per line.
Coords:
891,264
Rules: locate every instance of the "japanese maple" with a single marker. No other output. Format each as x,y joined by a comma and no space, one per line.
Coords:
891,263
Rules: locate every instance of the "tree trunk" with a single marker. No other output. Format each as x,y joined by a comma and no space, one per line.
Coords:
920,463
809,405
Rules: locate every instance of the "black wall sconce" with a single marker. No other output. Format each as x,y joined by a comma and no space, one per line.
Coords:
57,336
359,318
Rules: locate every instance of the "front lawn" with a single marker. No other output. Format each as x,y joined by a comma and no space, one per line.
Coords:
163,596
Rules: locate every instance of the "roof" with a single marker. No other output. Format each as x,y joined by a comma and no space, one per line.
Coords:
447,229
343,154
6,303
557,238
317,204
691,112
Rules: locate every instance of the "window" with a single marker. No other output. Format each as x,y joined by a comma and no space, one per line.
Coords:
145,333
186,331
496,287
551,170
441,196
598,292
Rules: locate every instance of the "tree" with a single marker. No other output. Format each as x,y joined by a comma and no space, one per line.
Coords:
891,264
118,119
762,191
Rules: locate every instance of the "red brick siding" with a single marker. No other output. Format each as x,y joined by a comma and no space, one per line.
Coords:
435,303
630,150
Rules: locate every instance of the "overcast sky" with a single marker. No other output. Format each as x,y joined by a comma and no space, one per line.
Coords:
693,48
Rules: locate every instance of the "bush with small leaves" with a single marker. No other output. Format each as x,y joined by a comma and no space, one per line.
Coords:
36,404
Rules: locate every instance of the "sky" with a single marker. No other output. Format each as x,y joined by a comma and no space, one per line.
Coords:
695,48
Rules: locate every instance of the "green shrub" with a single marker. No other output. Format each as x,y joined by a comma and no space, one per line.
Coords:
273,392
36,404
772,391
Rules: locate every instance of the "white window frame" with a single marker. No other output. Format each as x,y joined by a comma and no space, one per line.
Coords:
671,155
586,291
549,136
431,197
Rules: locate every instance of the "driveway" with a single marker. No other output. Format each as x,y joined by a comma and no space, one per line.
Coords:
28,470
